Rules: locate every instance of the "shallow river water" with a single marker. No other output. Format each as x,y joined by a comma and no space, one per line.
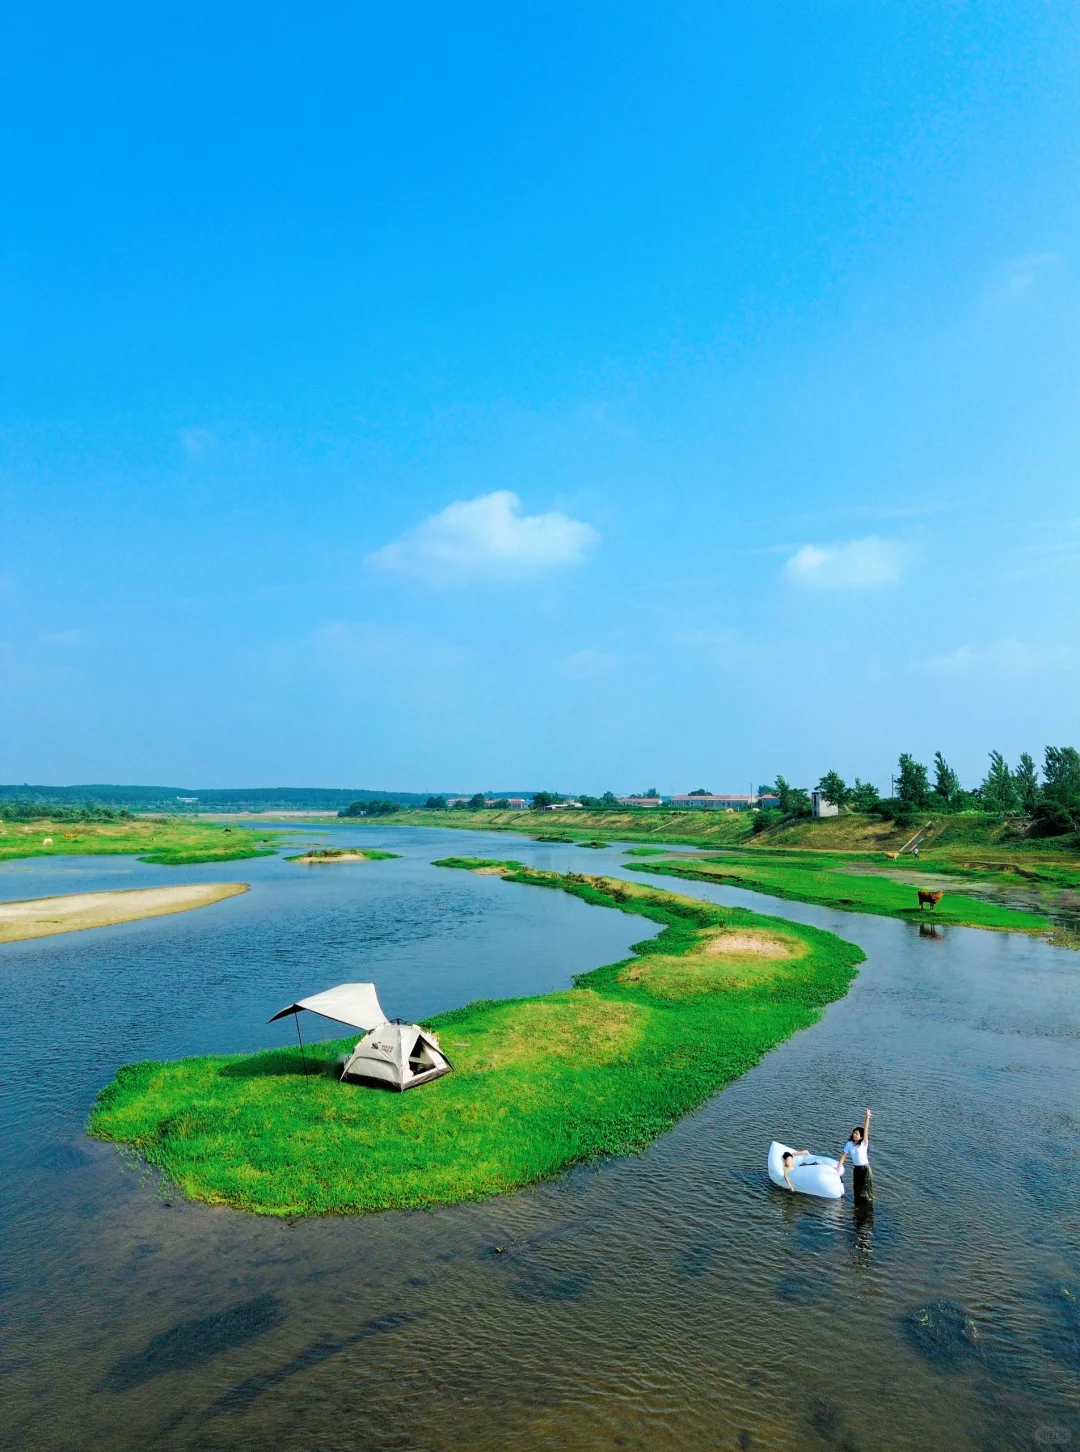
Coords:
676,1300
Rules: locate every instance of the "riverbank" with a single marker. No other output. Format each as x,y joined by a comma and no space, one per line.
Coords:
979,861
41,917
163,841
539,1084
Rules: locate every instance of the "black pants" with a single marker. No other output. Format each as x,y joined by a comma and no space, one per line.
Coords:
864,1184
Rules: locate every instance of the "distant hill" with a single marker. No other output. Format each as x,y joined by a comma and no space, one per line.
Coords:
202,799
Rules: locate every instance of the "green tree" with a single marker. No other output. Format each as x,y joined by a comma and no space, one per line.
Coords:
835,789
436,804
794,801
545,799
864,795
913,786
946,782
1061,772
1059,809
1026,779
476,801
374,807
652,792
998,791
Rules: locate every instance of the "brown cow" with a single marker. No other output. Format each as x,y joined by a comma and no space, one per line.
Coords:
929,899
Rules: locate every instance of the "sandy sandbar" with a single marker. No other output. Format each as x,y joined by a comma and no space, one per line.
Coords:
39,917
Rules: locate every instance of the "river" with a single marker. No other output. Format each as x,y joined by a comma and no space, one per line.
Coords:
674,1300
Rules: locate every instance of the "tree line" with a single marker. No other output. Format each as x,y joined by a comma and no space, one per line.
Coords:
1050,797
23,811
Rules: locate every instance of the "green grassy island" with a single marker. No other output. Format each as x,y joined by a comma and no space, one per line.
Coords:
165,841
540,1084
343,854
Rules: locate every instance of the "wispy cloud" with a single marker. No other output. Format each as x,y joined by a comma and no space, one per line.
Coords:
857,565
366,643
1005,658
487,538
198,444
588,664
724,648
62,637
1020,276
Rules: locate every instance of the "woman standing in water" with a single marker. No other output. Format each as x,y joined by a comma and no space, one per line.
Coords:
858,1148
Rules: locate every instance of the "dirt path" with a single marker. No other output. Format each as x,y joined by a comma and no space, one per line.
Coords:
39,917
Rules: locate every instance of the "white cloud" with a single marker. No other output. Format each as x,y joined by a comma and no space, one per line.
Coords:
487,539
1006,658
859,564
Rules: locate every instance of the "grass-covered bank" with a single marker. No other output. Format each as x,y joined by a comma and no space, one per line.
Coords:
165,841
831,882
982,857
540,1084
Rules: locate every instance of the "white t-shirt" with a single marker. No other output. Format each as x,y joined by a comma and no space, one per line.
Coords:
859,1154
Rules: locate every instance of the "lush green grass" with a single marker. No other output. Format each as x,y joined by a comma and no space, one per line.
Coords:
821,880
167,841
334,854
539,1084
984,854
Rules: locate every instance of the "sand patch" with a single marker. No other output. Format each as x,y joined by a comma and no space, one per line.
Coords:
40,917
764,945
492,871
741,958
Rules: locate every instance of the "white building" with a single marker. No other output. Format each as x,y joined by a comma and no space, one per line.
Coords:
821,806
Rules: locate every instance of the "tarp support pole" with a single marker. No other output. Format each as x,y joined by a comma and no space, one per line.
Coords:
303,1056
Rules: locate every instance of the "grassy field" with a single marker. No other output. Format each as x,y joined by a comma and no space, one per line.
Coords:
167,841
540,1084
831,882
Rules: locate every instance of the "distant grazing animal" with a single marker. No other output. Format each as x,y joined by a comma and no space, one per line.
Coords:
892,856
46,841
929,899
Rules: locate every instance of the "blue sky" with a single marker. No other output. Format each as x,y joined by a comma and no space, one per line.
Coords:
582,396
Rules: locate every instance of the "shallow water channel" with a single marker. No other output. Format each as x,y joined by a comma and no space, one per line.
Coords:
676,1300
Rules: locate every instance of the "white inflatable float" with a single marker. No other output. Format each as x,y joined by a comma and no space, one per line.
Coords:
810,1175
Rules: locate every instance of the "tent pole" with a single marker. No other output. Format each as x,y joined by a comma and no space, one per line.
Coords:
303,1056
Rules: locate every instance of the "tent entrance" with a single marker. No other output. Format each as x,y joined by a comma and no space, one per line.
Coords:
420,1060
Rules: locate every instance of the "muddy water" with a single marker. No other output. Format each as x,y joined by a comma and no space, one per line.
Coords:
672,1301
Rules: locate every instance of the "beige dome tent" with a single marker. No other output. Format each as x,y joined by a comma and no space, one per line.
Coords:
399,1055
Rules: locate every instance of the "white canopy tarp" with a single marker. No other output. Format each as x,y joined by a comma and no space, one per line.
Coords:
356,1004
399,1055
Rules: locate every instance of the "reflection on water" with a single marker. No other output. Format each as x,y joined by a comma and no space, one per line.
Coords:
670,1301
